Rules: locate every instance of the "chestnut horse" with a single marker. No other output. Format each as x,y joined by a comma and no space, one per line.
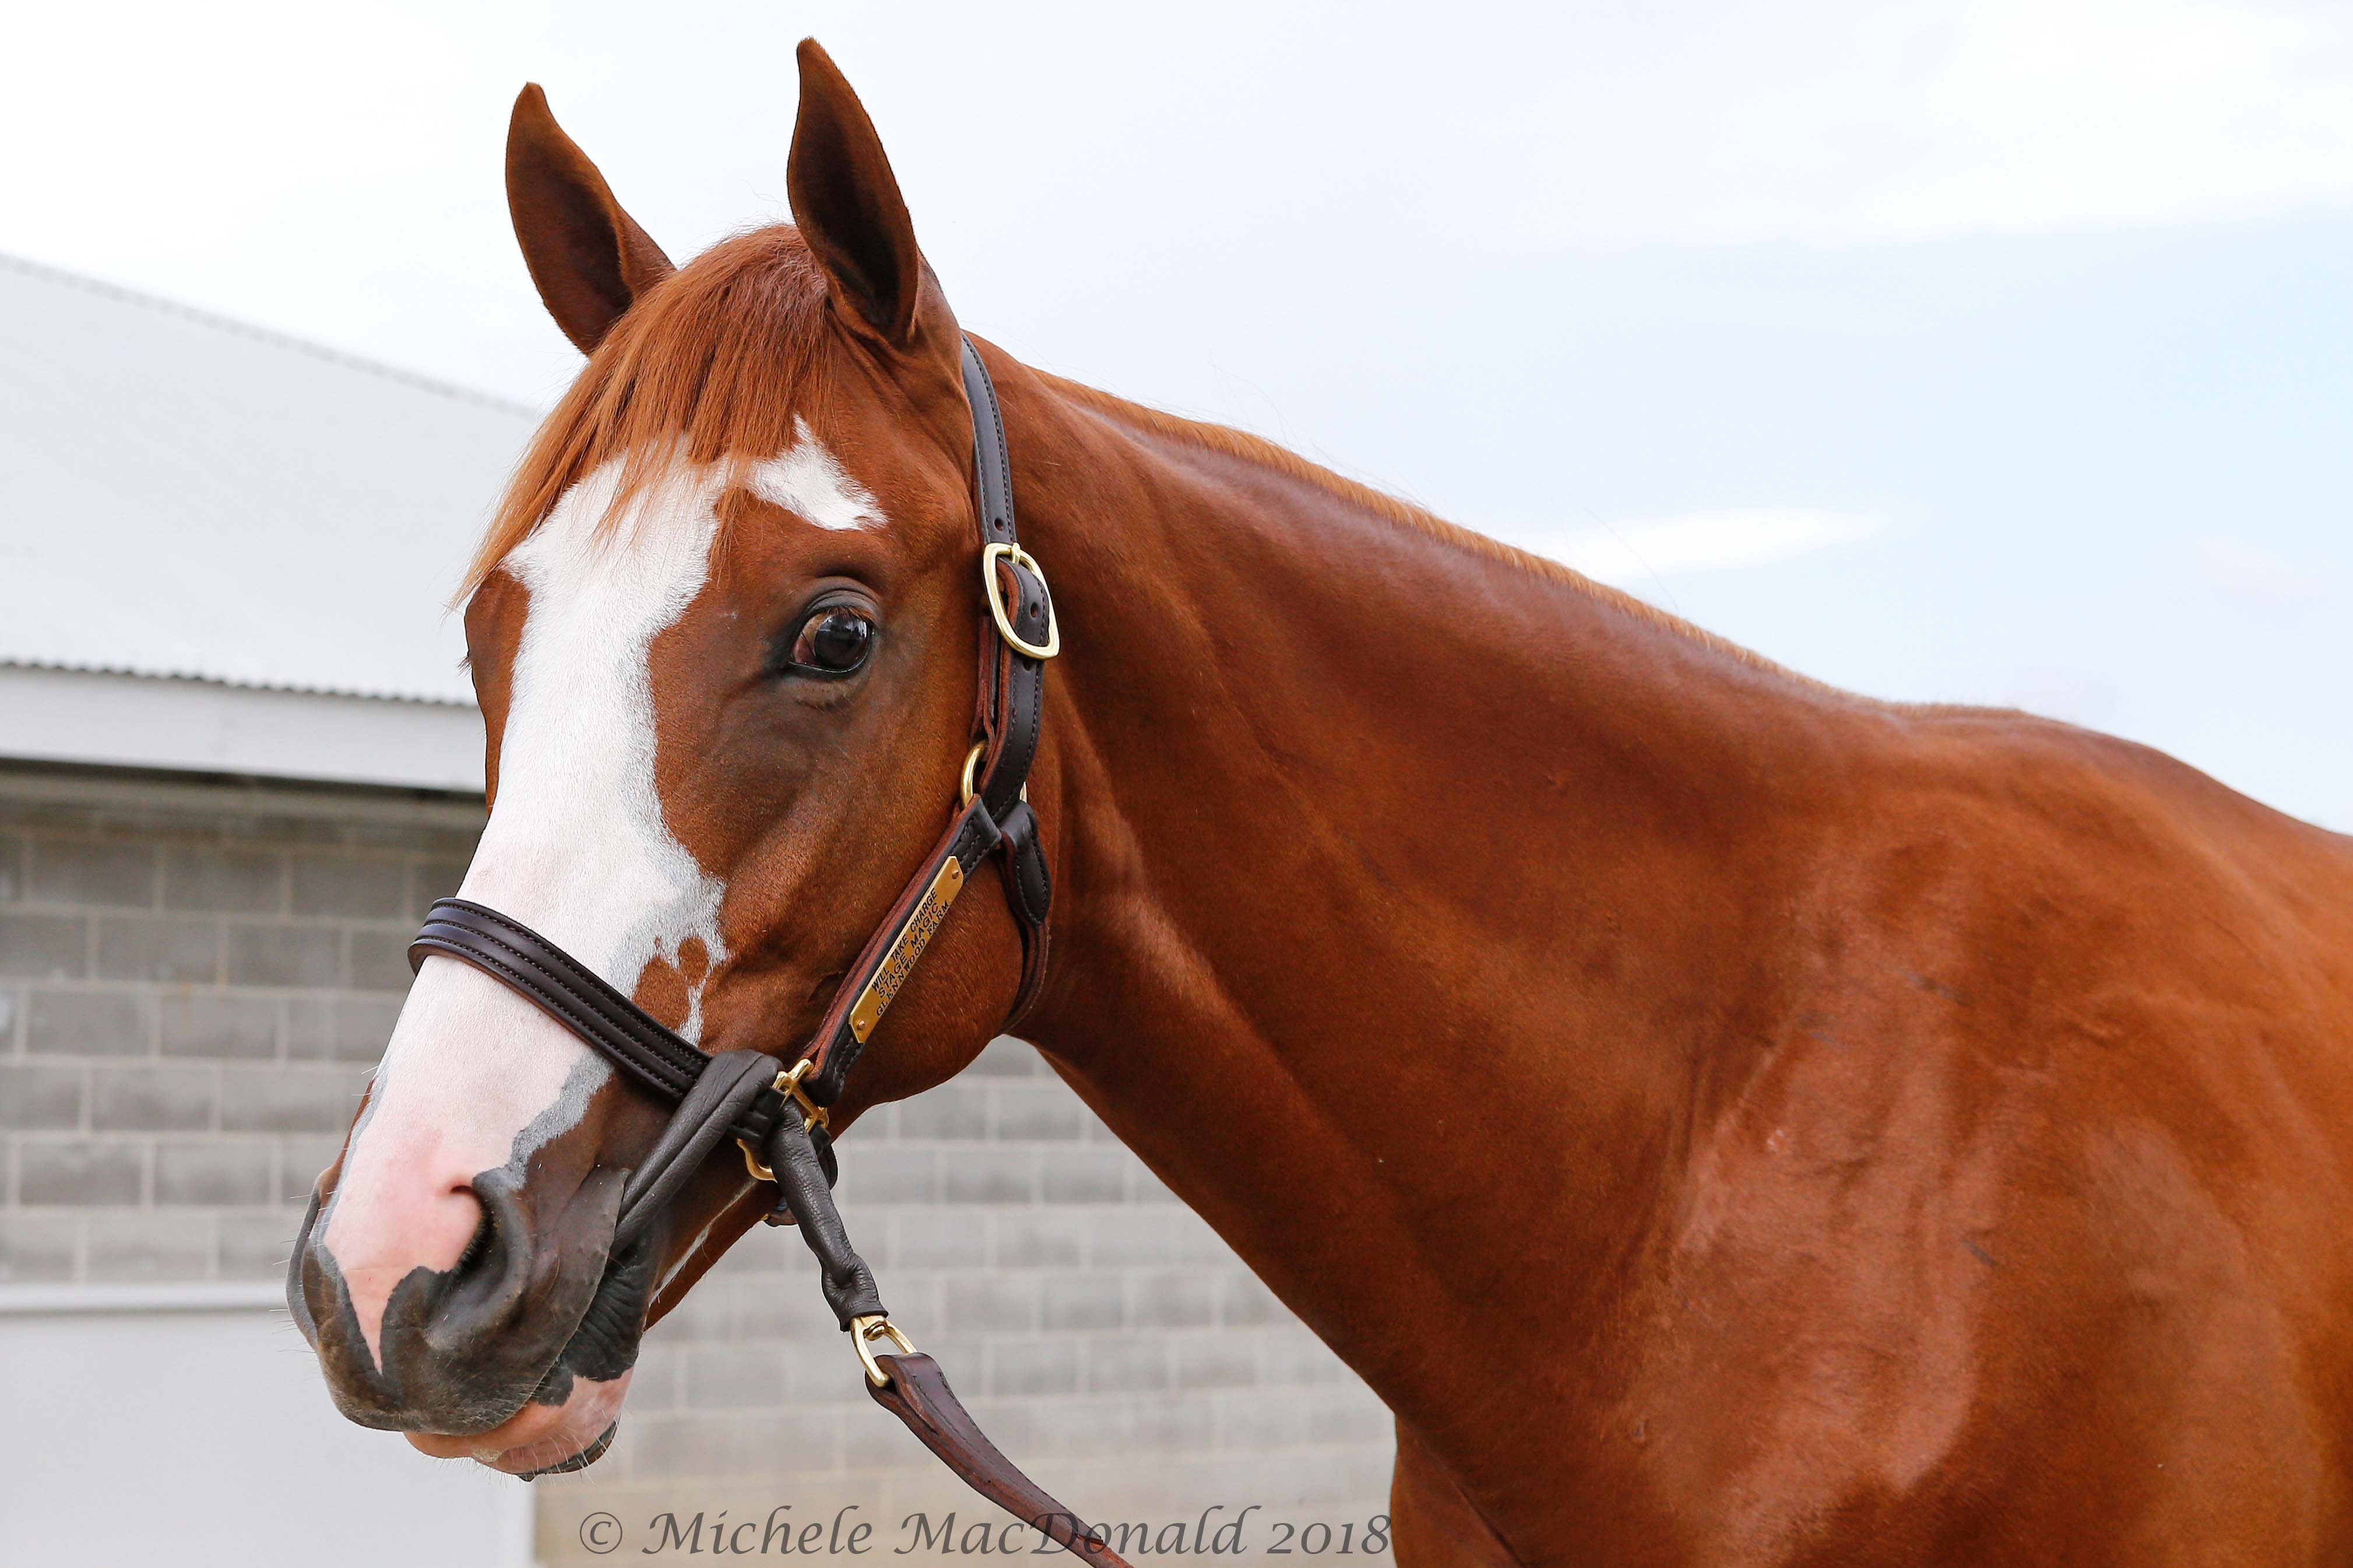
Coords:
1726,1120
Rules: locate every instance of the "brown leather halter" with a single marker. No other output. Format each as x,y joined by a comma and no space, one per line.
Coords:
776,1113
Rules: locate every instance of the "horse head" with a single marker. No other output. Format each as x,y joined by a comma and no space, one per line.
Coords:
722,632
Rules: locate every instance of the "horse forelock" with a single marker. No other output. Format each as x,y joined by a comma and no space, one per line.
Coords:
720,362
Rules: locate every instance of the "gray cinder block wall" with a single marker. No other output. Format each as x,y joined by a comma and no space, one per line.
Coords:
196,979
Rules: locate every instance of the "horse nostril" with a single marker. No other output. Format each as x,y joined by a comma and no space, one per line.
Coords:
478,1245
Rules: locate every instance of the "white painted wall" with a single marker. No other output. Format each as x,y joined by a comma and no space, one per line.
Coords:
200,726
188,1425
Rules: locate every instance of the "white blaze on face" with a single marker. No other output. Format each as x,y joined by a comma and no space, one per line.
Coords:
576,848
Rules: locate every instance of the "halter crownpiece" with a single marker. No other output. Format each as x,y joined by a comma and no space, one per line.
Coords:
775,1112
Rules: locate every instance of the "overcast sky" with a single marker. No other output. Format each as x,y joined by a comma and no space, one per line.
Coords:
1996,352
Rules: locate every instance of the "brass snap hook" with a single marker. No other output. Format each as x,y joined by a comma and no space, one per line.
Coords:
863,1332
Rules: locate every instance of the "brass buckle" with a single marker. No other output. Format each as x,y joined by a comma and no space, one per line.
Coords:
863,1332
813,1115
1021,558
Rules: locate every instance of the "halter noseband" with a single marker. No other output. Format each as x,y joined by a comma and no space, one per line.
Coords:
777,1112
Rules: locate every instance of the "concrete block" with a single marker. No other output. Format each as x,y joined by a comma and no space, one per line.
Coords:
38,1248
1294,1356
785,1309
63,815
299,1163
1041,1237
1084,1175
127,1245
1041,1111
937,1239
991,1303
1086,1426
225,880
256,1244
734,1377
358,887
1126,1237
379,959
710,1445
1144,1187
1243,1303
174,950
153,1098
706,1315
425,838
1170,1299
1192,1240
891,1175
987,1177
1125,1363
1006,1056
88,1022
435,877
292,1098
46,1097
43,946
654,1387
307,956
93,871
1178,1424
955,1109
344,1028
1348,1414
1214,1361
1022,1367
79,1173
213,1024
1082,1301
215,1172
1260,1421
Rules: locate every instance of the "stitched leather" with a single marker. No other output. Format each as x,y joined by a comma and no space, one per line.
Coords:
581,1000
968,840
569,992
728,1086
918,1393
847,1283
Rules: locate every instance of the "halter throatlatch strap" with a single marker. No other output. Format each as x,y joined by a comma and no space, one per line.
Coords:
777,1114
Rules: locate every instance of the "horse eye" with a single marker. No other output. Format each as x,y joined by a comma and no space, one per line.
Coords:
834,642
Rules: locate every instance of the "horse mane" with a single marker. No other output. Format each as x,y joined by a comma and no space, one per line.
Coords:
713,360
1229,442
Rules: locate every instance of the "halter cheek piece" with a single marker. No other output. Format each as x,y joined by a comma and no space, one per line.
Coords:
776,1113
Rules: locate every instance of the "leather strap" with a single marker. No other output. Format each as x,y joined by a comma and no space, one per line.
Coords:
1010,717
802,1187
918,1393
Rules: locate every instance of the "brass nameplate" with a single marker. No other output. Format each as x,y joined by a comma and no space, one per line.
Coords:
913,937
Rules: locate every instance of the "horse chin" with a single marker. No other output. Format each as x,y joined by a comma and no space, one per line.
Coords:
541,1439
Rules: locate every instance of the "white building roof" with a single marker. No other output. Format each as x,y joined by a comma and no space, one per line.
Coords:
185,499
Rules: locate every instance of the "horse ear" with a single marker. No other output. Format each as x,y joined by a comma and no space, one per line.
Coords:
588,259
847,204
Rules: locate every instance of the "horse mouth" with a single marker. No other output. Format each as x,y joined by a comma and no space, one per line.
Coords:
570,1418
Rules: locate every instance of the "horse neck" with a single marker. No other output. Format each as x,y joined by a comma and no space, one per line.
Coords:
1403,888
